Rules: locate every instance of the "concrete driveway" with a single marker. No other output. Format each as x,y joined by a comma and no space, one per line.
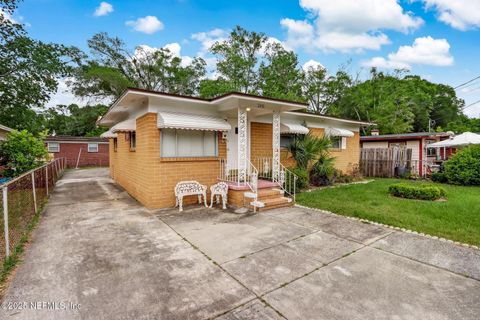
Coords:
98,254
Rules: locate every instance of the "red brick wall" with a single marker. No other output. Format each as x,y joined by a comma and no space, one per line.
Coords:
87,159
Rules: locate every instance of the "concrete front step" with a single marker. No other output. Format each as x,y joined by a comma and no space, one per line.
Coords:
281,205
272,203
265,194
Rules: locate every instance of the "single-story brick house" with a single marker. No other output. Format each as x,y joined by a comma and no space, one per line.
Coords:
4,130
79,151
417,141
159,139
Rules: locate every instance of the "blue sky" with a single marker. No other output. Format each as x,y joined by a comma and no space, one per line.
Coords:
436,39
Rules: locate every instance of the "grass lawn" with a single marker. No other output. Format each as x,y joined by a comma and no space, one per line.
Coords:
458,218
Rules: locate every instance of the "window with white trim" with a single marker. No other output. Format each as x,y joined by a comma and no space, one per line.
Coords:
53,147
93,147
286,140
188,143
336,142
132,136
431,152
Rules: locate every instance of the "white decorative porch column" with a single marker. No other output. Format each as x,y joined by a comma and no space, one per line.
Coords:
276,145
242,144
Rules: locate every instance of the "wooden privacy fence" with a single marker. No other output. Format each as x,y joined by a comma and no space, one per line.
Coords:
386,162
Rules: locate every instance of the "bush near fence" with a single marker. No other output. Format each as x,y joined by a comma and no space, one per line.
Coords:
419,192
21,199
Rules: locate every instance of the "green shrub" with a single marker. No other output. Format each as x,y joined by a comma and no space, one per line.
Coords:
439,177
21,152
302,178
340,177
323,170
464,167
420,192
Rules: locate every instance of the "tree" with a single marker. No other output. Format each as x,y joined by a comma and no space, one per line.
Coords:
399,103
238,58
280,76
29,71
114,68
74,120
21,152
463,124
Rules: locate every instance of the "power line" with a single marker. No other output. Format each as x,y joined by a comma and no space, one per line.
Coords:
471,104
461,85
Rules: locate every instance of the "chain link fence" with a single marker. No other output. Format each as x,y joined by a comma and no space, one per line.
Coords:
20,199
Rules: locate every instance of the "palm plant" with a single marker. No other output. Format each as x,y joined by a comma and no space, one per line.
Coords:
306,149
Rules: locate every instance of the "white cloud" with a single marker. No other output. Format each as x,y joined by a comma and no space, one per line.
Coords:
103,9
207,39
424,51
148,24
460,14
312,64
345,25
7,16
63,95
142,50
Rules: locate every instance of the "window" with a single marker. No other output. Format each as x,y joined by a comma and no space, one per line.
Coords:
431,152
336,142
188,143
286,140
93,147
133,140
115,144
53,147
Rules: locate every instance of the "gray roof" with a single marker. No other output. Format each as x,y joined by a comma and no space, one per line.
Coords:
405,135
74,138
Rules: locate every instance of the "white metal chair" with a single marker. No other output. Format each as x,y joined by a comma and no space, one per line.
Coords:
217,190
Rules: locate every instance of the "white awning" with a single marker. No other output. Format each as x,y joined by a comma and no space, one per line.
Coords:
295,128
108,134
337,132
190,121
127,125
461,140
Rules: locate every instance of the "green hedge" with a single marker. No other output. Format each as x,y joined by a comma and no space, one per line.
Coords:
420,192
464,167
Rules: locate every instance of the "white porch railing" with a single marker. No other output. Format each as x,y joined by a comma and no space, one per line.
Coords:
229,173
287,180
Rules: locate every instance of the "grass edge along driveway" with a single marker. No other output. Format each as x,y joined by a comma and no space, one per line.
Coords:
457,219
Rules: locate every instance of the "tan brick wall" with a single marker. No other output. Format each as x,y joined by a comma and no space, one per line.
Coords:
345,159
151,179
261,140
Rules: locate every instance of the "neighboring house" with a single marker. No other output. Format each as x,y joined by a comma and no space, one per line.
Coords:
4,131
417,141
159,139
79,151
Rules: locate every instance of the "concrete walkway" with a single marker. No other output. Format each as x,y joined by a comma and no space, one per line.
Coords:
98,254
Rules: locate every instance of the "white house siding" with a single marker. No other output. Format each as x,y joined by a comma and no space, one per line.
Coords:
415,146
374,144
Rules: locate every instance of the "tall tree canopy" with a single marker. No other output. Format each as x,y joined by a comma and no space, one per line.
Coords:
399,103
74,120
238,57
280,76
112,68
29,71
